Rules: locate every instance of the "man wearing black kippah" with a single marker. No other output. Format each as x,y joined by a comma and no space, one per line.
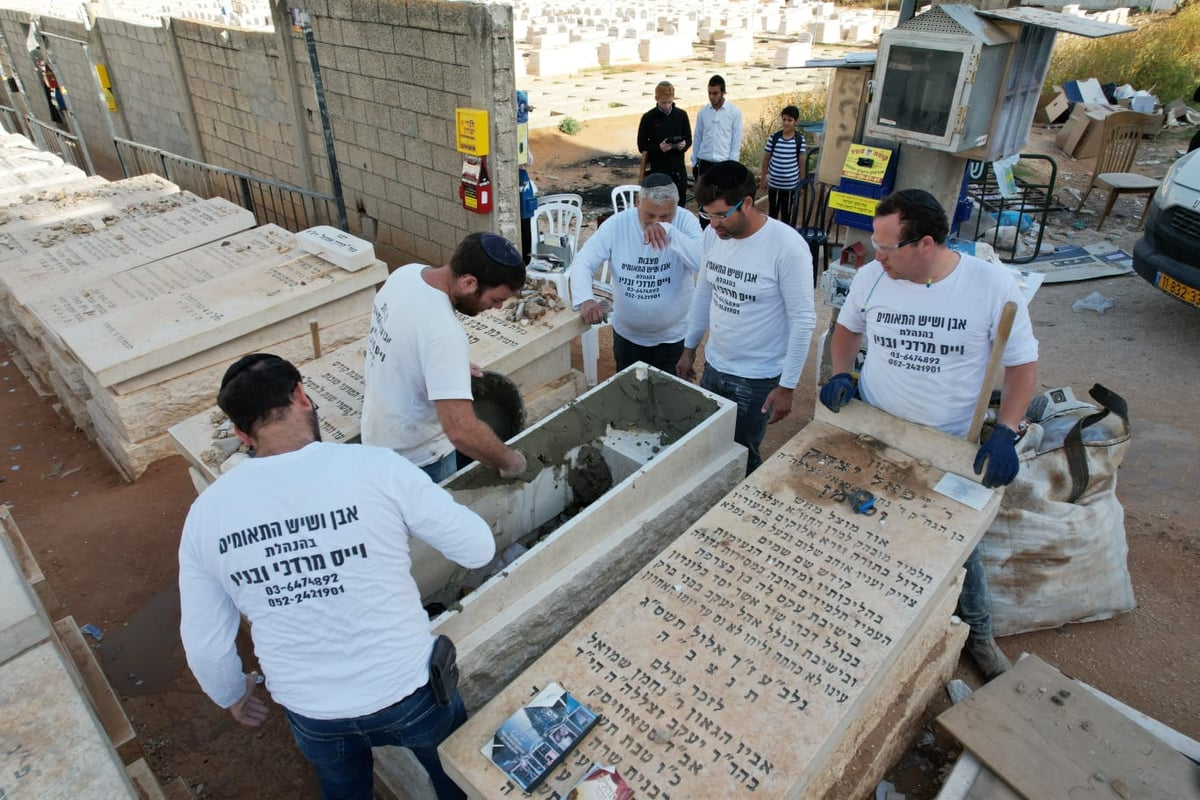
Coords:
418,368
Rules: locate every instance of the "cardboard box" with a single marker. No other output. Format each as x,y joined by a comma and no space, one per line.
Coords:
1156,118
1080,137
1051,108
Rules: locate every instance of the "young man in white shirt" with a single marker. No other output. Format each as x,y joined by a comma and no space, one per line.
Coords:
310,541
918,290
418,367
718,134
654,253
754,298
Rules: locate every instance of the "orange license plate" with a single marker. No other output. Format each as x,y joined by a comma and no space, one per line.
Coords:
1173,287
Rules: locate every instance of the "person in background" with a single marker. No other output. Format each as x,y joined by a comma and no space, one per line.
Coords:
310,541
784,167
654,252
418,368
930,315
664,135
718,132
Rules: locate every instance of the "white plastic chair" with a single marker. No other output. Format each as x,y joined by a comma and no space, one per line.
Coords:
625,196
566,197
555,228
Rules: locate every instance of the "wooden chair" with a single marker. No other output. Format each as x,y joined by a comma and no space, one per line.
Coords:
1118,147
625,196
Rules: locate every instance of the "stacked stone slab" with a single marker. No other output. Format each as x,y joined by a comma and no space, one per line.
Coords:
127,299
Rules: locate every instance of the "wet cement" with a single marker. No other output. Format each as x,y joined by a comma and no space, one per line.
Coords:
589,476
657,402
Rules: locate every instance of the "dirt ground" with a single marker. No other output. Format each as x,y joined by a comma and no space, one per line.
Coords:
108,548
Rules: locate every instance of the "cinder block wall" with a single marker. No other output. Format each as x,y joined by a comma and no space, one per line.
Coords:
393,73
14,30
147,80
73,50
238,84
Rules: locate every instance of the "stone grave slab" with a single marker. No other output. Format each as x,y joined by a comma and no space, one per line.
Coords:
735,662
826,31
40,177
90,202
53,744
153,409
133,341
526,353
67,305
141,240
1045,736
793,55
664,48
737,49
22,621
618,51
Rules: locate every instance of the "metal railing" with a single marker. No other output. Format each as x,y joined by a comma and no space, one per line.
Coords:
282,204
10,118
55,140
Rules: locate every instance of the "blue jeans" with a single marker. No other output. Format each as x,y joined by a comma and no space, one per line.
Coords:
443,468
340,749
749,394
975,601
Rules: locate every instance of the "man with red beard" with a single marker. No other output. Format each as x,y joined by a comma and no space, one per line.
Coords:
418,368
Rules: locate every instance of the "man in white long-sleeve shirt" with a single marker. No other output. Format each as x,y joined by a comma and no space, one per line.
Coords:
311,542
754,297
654,252
718,134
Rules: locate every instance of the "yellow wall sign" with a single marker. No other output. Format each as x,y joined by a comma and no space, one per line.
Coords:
471,131
106,85
853,203
867,164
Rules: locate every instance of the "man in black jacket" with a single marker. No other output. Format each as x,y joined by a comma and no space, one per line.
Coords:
664,135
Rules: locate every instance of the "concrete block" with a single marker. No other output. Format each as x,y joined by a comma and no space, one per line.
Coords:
825,31
733,50
618,51
664,49
563,60
792,55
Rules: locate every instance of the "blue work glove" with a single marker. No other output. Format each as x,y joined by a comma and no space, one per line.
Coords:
838,392
1000,453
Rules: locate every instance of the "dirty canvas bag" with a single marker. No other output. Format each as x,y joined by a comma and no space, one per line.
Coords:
1056,552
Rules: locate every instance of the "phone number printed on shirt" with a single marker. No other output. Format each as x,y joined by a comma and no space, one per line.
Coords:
307,594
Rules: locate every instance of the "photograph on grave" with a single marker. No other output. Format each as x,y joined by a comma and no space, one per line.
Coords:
539,735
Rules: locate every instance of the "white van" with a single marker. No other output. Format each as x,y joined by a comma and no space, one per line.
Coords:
1168,254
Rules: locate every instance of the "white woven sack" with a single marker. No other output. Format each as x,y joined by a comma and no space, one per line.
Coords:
1051,559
